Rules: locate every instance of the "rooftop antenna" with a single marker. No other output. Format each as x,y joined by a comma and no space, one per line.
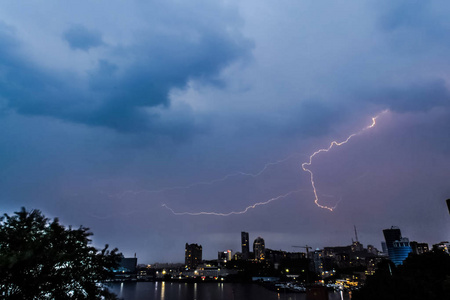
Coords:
356,233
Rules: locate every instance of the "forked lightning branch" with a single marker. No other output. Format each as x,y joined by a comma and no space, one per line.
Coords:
305,166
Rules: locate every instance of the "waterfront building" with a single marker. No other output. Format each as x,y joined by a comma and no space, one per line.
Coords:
192,256
259,248
419,248
397,246
237,256
318,261
442,246
128,264
275,256
224,256
126,270
245,245
400,251
391,235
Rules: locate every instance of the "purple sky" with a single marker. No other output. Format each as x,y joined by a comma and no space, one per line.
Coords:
110,109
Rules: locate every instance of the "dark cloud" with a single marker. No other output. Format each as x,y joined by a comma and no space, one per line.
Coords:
416,25
79,37
419,97
130,97
313,118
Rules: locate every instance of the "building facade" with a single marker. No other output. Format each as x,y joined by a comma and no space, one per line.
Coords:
259,249
224,256
245,245
192,255
397,246
419,248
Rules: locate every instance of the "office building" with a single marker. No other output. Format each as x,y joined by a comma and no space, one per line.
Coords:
391,235
224,256
192,256
400,251
245,245
419,248
259,249
397,246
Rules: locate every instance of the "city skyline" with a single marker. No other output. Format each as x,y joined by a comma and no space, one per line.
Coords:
133,118
391,235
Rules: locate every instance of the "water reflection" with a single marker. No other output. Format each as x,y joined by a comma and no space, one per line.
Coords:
163,290
203,291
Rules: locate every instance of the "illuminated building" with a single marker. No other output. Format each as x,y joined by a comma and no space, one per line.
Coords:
192,255
391,235
357,247
398,247
318,261
237,256
128,265
442,246
419,248
245,245
400,251
224,256
259,248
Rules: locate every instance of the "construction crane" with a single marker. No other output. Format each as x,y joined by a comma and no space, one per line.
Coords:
305,247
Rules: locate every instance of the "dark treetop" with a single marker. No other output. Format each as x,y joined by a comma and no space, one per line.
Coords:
41,259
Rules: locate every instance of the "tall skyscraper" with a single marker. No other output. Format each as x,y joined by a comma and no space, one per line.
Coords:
391,235
259,248
192,255
397,246
245,245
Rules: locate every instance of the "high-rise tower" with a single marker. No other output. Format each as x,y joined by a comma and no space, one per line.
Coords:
245,245
391,235
397,246
259,248
192,255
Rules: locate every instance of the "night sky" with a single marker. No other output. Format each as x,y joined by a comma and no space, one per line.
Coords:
111,109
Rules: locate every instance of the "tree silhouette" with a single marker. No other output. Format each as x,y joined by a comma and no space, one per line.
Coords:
40,259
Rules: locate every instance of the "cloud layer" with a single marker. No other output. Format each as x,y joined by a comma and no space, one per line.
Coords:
128,86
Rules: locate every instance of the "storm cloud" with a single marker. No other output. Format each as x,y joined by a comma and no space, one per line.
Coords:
127,88
82,38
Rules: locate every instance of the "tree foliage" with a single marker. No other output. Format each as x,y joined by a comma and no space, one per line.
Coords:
41,259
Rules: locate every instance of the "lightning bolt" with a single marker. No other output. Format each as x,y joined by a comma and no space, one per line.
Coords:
192,185
304,165
253,206
307,164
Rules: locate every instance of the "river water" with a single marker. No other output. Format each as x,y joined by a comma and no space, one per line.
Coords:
203,291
